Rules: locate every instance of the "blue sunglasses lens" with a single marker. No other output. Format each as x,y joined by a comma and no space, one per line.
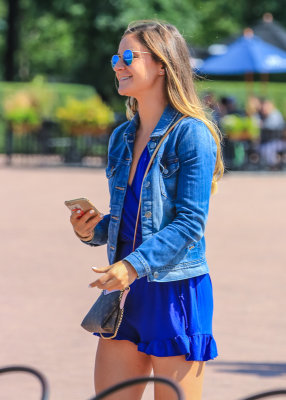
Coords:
128,57
114,60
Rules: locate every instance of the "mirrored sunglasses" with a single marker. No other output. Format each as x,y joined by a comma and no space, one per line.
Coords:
127,57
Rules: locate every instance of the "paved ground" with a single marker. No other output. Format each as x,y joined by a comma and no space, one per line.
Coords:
45,272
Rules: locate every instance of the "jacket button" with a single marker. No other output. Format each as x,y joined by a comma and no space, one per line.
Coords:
165,171
148,214
147,184
156,275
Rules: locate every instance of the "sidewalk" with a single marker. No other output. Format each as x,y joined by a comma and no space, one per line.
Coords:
45,272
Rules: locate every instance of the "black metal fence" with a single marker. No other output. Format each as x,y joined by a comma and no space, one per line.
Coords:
131,382
51,146
267,153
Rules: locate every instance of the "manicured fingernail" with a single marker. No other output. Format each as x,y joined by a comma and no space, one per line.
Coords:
78,211
89,286
91,211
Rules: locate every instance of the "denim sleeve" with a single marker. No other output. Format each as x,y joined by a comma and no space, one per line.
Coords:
197,156
100,232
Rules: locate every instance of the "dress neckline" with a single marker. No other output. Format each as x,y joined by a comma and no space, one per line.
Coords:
133,180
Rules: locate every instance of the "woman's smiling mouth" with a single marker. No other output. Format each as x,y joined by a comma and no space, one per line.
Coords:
124,78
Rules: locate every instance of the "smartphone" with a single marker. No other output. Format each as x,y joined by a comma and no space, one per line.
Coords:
82,204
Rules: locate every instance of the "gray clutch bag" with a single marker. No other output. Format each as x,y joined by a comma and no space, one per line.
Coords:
106,314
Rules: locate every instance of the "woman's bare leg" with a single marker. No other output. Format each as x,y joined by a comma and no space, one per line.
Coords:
188,374
119,360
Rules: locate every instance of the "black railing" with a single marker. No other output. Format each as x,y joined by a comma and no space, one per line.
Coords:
115,388
31,371
264,395
51,143
269,152
122,385
137,381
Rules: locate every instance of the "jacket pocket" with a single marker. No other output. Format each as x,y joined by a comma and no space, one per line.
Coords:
169,167
169,170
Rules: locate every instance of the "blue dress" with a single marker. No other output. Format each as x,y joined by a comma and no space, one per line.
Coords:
163,318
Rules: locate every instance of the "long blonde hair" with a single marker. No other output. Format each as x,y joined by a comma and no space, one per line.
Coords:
169,47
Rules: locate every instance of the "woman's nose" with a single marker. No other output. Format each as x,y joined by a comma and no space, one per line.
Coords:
119,65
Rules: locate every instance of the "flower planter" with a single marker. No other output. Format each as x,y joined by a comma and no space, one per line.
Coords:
238,136
85,117
85,129
23,129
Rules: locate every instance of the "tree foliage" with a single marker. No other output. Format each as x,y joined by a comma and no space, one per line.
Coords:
72,40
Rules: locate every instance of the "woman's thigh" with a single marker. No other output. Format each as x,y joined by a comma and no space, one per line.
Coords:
188,374
119,360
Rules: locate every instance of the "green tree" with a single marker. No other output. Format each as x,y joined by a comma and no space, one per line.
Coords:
73,40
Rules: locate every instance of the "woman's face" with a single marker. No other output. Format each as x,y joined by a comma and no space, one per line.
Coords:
142,75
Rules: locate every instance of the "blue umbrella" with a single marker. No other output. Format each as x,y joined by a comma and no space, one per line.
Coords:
247,54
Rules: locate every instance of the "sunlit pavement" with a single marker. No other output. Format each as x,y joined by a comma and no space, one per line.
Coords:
45,272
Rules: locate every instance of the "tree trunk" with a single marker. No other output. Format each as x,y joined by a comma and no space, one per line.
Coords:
11,39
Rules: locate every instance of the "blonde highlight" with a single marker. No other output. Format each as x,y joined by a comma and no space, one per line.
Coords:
168,46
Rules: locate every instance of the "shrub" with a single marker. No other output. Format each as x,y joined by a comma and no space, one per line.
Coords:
236,127
22,111
90,116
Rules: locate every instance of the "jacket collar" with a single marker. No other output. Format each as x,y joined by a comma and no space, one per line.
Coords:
167,118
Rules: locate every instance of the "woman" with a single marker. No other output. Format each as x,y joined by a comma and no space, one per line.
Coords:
167,323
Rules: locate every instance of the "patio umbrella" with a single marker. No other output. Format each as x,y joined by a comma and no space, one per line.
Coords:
248,54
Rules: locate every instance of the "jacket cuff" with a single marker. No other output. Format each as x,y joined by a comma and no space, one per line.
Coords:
100,233
139,264
90,242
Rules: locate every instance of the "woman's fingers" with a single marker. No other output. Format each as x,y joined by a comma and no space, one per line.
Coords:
116,277
101,270
110,284
85,224
93,222
87,215
78,216
103,279
100,282
75,215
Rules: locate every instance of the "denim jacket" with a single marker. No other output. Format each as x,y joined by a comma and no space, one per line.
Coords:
175,198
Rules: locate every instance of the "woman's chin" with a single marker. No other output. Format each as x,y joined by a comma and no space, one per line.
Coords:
124,92
125,88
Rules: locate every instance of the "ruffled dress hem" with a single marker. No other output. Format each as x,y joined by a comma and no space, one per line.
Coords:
200,347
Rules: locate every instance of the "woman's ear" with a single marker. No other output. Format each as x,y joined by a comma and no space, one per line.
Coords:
162,70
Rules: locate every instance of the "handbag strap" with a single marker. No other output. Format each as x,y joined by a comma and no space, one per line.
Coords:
146,172
125,291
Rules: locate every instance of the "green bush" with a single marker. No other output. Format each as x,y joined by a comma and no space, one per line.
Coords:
50,95
237,127
91,115
23,111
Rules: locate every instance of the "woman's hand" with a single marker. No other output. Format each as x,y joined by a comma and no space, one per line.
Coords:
117,276
84,224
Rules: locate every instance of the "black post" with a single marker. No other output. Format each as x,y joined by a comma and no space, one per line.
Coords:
11,39
9,144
